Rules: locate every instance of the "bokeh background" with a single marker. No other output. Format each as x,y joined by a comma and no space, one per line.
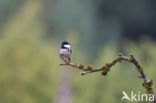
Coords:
31,32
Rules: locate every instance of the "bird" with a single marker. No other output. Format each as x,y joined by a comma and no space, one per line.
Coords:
65,52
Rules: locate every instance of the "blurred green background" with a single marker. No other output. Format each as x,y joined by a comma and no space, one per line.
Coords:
31,32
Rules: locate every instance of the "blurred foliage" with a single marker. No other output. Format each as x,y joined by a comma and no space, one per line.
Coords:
26,62
101,21
123,76
29,71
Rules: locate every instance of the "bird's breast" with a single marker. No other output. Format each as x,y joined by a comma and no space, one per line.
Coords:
65,52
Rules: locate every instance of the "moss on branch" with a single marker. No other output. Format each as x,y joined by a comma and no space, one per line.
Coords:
147,84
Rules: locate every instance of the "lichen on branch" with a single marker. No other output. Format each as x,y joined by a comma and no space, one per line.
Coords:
147,84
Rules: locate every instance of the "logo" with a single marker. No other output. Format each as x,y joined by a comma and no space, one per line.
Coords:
137,96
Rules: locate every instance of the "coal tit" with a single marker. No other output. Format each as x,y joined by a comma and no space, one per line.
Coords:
65,51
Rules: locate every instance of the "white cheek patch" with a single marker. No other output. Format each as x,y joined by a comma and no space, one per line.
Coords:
68,46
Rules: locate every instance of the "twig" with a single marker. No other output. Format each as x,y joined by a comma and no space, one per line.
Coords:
106,68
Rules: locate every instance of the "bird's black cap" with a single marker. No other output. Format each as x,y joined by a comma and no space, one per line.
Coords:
64,43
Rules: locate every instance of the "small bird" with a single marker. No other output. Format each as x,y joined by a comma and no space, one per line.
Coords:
65,51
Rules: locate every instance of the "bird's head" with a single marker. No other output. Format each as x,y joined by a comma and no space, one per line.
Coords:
65,45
